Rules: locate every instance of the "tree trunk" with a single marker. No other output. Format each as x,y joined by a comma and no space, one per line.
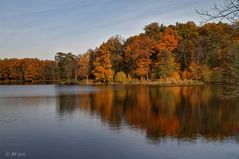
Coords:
76,76
86,79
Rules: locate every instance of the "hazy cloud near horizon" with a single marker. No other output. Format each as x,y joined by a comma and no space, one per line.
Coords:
32,28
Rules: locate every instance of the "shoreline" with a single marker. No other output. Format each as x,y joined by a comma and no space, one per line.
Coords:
92,83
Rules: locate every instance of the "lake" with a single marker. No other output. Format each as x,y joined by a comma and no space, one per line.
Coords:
118,122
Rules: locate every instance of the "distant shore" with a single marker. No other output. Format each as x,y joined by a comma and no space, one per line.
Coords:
91,82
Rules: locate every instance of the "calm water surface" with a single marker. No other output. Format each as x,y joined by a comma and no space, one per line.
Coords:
116,122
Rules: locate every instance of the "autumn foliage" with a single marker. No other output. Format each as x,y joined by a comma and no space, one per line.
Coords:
168,41
27,70
137,56
183,51
102,65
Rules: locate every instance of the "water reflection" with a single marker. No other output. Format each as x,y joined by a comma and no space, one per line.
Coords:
180,112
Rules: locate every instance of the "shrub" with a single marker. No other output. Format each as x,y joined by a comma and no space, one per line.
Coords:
120,77
216,75
205,73
186,75
176,76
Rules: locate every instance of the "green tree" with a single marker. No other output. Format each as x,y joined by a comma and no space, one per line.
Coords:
67,66
232,65
217,37
60,60
188,36
154,31
115,47
166,65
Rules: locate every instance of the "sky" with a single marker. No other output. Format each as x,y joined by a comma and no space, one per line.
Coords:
41,28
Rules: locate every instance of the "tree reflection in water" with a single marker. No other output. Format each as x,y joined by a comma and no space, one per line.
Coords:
180,112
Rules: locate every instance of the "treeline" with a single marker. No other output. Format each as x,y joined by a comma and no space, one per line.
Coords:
184,51
28,70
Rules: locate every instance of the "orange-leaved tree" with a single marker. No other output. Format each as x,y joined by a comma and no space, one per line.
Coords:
102,67
138,50
168,40
163,64
83,63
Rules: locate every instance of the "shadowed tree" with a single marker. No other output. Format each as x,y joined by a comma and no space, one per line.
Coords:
66,65
115,47
188,36
232,64
48,70
228,10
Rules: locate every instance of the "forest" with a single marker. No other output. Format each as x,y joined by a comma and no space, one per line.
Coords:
180,52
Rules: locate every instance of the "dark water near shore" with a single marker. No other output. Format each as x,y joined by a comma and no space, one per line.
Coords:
141,122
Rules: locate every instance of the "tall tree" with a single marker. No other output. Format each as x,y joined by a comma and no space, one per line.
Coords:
163,52
154,31
138,50
71,66
169,40
13,74
66,65
60,61
92,56
188,36
115,47
83,63
4,69
216,38
48,70
166,65
102,65
31,69
232,64
19,64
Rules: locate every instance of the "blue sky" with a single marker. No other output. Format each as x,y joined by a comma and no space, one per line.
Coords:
41,28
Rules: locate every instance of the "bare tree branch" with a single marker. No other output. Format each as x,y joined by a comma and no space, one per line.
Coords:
229,11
